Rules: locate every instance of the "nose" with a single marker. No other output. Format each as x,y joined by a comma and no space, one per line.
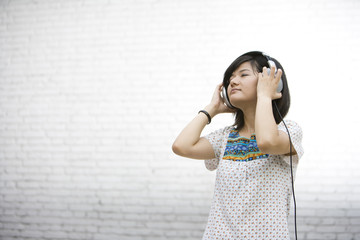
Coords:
235,81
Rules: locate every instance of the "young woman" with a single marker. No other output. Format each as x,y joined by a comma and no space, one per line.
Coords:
252,157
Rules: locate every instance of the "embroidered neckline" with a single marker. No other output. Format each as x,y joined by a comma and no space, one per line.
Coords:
242,149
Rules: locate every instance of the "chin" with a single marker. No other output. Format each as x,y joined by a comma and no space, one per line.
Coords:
238,100
242,102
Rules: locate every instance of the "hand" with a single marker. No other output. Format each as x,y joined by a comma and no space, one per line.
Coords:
267,83
217,104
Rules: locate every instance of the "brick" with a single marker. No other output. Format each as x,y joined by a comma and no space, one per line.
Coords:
345,236
93,93
323,236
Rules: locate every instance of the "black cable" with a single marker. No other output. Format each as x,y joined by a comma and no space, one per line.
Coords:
291,170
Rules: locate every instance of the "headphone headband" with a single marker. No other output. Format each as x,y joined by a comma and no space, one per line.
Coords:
268,58
270,63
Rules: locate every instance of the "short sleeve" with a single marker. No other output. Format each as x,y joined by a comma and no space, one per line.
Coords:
216,139
296,139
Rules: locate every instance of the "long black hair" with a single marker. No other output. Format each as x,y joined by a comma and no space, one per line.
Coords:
258,60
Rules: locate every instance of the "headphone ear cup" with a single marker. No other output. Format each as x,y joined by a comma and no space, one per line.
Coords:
280,85
225,97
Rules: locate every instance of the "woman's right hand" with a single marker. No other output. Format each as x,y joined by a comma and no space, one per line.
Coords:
217,104
189,143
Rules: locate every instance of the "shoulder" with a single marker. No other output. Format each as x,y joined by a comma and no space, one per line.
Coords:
295,133
288,122
289,125
291,128
222,131
219,135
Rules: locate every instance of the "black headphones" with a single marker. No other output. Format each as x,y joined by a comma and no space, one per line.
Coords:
270,63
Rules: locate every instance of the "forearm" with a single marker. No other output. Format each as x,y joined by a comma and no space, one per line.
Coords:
266,129
189,143
190,135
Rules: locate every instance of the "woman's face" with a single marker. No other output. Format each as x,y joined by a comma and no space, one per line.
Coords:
242,85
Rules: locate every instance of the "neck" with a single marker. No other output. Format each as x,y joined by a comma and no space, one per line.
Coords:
249,119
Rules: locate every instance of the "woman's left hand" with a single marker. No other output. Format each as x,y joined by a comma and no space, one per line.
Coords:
268,83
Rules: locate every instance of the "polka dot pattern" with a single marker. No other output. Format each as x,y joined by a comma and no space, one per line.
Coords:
252,198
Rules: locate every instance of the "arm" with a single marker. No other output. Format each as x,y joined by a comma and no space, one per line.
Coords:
189,143
269,139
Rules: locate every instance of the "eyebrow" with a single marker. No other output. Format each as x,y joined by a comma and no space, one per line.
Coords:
243,70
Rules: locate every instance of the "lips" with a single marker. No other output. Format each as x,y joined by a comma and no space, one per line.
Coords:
234,90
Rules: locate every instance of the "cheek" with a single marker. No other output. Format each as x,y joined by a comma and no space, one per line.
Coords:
254,83
253,87
256,79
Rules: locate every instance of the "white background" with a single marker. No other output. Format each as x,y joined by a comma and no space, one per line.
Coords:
93,93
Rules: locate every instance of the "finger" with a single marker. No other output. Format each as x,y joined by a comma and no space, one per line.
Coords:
218,87
278,74
265,71
278,95
272,72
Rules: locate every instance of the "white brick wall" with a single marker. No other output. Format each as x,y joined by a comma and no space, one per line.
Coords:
93,93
